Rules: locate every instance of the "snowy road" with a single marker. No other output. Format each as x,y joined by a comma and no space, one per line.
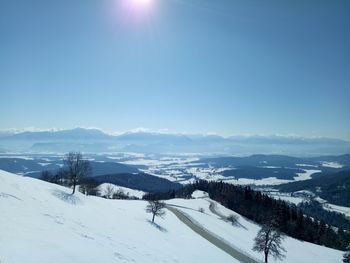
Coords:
210,237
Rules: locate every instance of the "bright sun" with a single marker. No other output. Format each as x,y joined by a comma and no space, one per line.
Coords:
136,10
142,2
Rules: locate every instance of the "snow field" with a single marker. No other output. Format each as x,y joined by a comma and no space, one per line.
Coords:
42,222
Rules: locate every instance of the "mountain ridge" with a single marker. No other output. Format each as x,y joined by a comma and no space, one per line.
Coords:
138,134
95,140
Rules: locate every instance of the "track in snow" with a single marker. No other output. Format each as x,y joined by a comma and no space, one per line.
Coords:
210,237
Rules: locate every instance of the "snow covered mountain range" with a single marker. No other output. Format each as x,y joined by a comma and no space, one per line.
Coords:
96,141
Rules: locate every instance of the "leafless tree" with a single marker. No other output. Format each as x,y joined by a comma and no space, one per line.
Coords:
346,256
109,191
61,177
77,167
46,176
89,186
268,240
120,194
156,208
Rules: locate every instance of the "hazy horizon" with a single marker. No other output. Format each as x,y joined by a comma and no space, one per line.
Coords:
161,131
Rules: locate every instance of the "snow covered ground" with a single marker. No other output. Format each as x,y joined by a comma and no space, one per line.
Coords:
199,194
306,198
334,208
161,161
258,182
287,197
306,175
43,222
188,169
332,164
130,192
242,236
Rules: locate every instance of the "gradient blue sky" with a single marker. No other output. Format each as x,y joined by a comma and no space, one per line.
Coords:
195,66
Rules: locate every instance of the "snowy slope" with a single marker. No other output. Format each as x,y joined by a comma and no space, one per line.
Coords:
42,222
130,192
241,237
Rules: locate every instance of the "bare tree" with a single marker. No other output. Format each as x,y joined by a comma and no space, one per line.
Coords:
61,177
268,240
346,256
120,194
46,176
109,191
88,186
77,167
156,208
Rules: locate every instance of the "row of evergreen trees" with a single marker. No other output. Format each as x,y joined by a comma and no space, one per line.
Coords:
315,209
257,206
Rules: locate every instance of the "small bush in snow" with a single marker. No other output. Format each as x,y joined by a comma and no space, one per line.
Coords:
233,219
201,209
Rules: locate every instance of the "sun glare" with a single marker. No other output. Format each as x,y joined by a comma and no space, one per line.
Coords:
134,12
141,3
136,8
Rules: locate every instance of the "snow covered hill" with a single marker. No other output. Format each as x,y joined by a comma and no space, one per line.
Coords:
127,191
242,235
43,222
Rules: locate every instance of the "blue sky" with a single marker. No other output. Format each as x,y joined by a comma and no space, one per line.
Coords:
196,66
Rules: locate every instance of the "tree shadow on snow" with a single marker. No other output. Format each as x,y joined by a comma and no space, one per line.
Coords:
68,198
159,227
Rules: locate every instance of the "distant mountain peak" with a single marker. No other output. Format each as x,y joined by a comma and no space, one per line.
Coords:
144,141
69,134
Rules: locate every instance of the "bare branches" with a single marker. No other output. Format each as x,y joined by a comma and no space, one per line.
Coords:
77,167
346,256
268,240
109,191
156,208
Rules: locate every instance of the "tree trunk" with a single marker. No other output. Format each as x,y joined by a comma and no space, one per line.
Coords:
266,255
74,183
153,218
